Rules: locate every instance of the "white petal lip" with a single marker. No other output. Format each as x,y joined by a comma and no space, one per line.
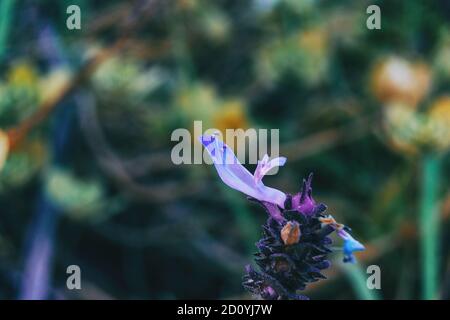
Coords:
236,176
264,166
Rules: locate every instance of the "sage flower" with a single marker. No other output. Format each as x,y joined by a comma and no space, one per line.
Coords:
295,243
236,176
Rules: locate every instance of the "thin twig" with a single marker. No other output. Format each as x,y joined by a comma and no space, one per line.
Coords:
131,21
18,133
326,139
114,166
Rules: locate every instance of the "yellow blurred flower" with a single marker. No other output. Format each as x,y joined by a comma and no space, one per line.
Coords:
19,94
22,74
439,122
4,148
397,80
198,102
440,110
401,124
231,116
314,40
411,131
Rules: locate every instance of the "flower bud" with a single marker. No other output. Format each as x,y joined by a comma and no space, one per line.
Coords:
290,234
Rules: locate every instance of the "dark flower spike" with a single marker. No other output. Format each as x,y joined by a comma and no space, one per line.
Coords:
295,242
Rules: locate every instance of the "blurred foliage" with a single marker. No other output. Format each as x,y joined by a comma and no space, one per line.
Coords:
74,196
357,107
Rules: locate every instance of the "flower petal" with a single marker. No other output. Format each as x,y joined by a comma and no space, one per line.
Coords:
304,202
350,245
264,166
235,175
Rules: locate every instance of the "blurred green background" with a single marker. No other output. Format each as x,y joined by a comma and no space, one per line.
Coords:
86,118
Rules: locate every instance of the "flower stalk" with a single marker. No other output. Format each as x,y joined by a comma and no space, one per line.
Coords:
358,279
6,15
429,224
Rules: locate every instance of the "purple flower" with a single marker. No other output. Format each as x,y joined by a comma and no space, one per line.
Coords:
295,243
304,202
236,176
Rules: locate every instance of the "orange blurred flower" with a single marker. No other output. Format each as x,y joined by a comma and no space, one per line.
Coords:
231,116
397,80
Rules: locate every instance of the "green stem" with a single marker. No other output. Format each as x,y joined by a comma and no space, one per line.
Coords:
6,12
358,280
428,224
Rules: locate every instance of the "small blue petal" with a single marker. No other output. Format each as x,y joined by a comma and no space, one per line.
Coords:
349,258
351,245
